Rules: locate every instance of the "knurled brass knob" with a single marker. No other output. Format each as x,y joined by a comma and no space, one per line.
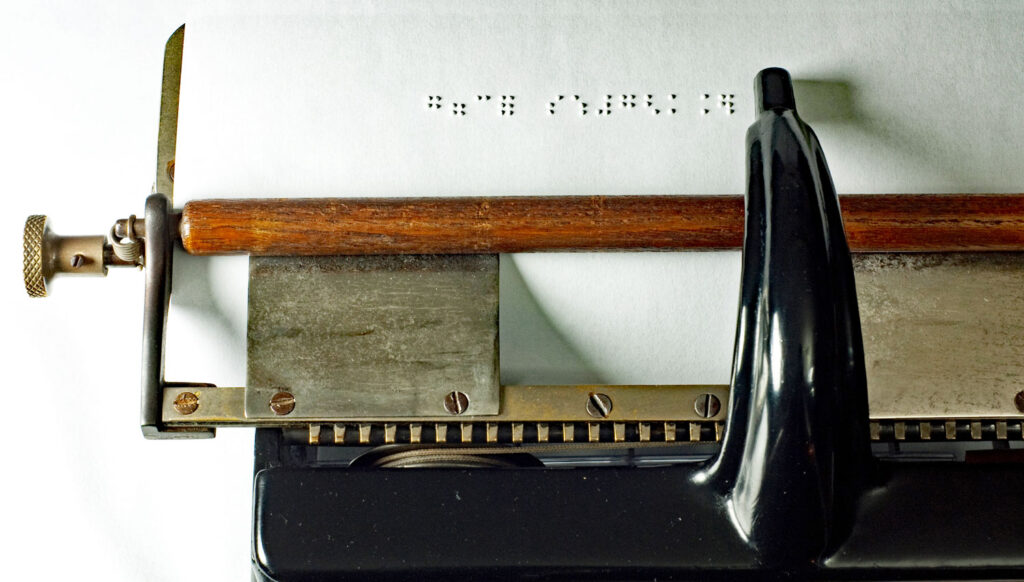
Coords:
47,254
35,279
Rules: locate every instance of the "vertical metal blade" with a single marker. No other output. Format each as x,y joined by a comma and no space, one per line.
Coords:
168,134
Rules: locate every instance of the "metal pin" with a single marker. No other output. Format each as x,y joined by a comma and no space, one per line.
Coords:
492,432
976,430
645,431
314,434
719,429
466,432
415,432
876,431
542,432
440,433
694,432
1001,430
517,432
390,431
950,430
926,431
568,432
339,434
670,432
594,432
364,434
900,430
619,431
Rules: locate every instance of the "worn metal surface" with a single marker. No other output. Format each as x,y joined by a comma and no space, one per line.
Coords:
944,339
943,333
167,136
226,406
924,430
47,254
528,414
373,336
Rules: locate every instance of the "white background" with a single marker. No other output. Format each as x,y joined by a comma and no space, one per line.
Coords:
905,101
85,497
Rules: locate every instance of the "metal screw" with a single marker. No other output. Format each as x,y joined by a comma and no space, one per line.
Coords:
1018,400
707,405
456,402
599,405
78,261
186,403
282,403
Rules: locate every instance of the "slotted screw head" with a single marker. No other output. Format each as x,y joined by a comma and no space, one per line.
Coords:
282,403
456,402
707,405
599,405
1018,401
186,403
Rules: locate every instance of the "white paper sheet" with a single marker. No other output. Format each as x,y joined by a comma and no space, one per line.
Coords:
471,98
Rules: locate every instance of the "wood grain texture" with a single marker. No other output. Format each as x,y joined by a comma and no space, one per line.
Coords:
367,226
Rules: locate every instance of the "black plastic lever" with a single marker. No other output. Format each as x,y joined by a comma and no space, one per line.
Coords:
796,449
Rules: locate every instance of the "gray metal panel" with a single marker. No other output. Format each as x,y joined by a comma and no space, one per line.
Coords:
372,335
943,333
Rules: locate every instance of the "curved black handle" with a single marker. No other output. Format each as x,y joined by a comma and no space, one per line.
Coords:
796,449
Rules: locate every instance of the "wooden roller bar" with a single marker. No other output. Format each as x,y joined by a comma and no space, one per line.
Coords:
364,226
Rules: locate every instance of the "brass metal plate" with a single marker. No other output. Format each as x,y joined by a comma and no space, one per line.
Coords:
553,404
545,414
943,333
372,336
